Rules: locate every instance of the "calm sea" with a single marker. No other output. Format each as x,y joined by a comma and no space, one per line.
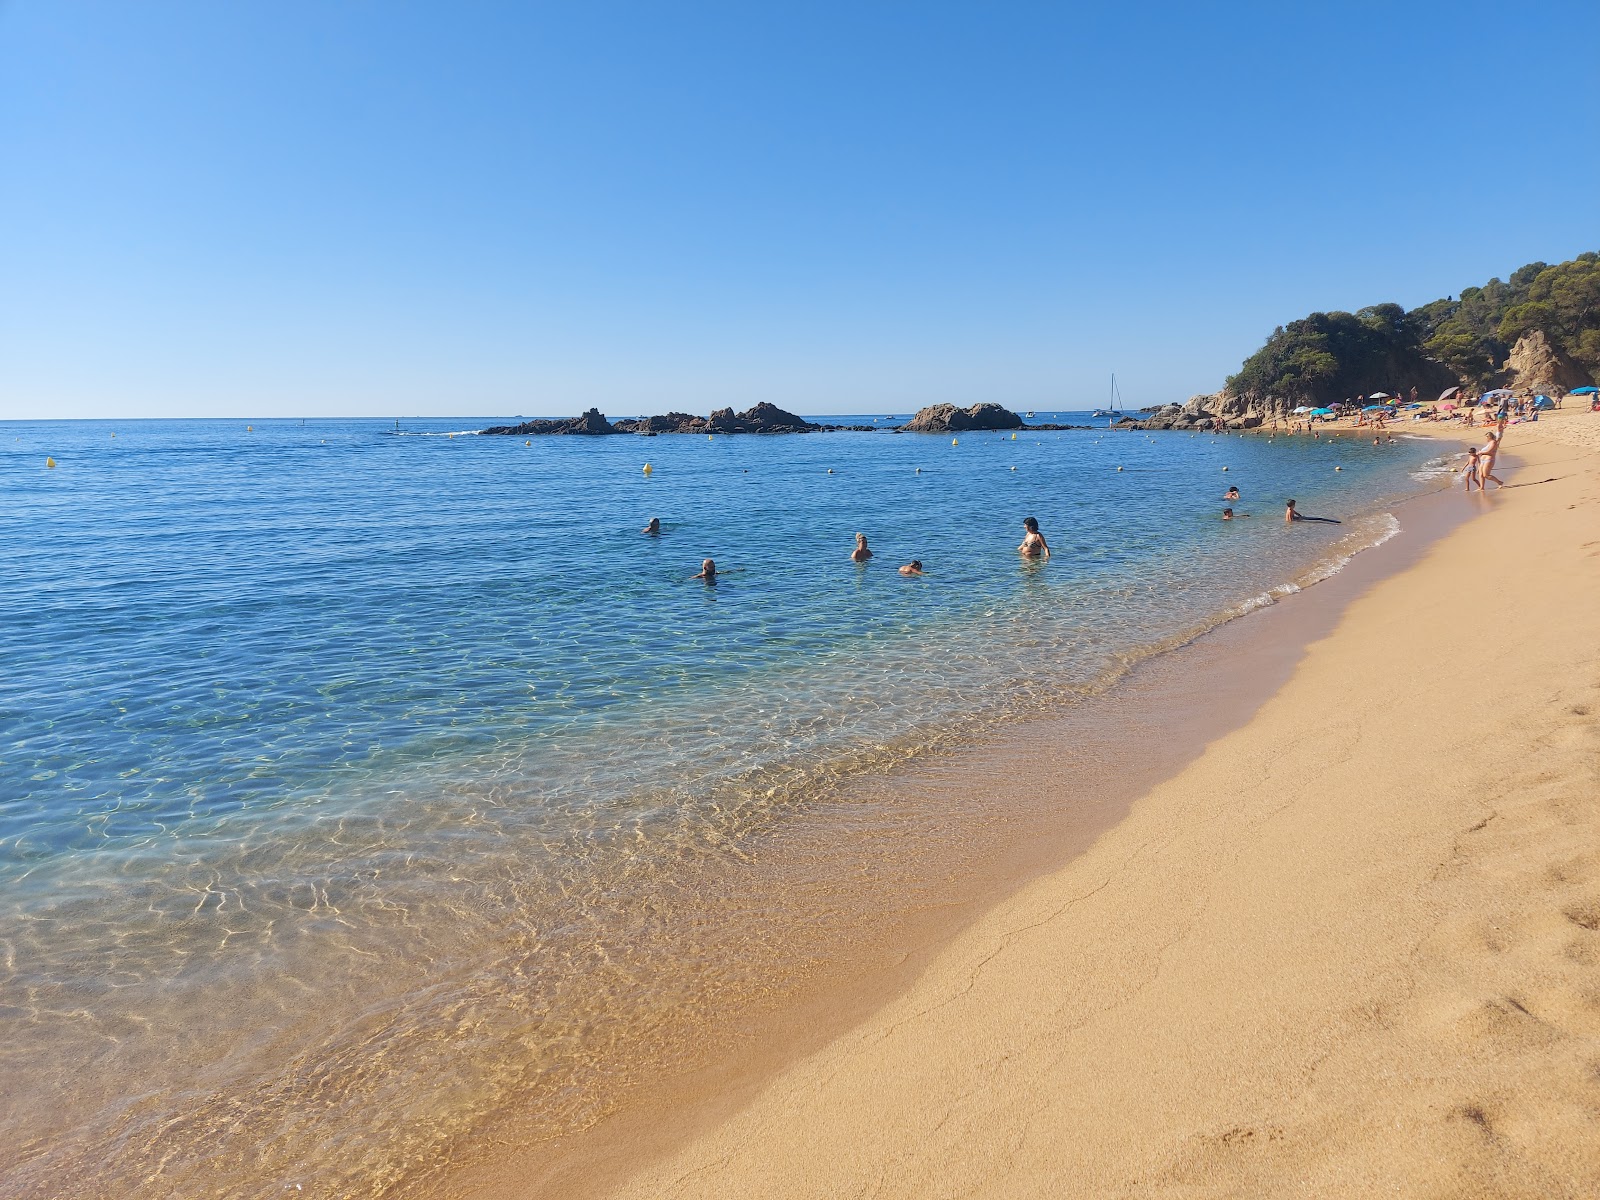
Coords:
350,776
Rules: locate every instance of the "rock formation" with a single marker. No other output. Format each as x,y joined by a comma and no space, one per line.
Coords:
592,422
763,418
1537,366
947,418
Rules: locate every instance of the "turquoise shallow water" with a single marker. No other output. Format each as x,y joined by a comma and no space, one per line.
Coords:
341,771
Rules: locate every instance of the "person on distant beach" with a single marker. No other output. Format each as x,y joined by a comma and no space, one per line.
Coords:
1487,453
860,554
914,567
654,528
1291,514
1033,543
1231,494
708,571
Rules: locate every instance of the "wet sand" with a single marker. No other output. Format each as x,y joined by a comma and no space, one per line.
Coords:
759,1109
1352,947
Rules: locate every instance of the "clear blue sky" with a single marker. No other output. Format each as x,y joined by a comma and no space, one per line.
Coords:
309,208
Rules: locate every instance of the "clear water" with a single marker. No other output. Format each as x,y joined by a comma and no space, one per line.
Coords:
353,784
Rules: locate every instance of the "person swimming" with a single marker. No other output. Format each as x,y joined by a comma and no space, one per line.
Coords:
860,554
1231,494
914,567
654,528
1033,543
1290,514
708,571
1229,515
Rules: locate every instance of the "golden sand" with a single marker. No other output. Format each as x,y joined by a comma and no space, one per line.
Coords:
1353,949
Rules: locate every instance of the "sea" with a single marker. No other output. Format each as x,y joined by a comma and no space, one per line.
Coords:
363,779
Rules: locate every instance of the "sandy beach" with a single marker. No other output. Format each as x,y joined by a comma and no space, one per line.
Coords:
1353,948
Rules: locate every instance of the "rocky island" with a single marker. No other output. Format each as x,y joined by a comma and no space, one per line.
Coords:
769,418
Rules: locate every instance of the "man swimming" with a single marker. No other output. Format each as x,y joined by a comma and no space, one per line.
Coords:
1231,494
860,554
708,571
914,567
654,528
1033,543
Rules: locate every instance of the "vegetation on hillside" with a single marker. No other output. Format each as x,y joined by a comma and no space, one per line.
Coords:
1332,356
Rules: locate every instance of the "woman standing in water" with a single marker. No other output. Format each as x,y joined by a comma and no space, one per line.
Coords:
860,554
1033,543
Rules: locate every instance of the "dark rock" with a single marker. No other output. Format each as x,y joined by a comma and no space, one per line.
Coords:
947,418
592,422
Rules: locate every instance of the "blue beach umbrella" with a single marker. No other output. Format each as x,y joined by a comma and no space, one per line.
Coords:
1322,412
1543,402
1375,408
1583,391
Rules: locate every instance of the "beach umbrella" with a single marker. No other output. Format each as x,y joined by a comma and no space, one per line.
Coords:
1322,412
1583,391
1378,396
1373,408
1448,392
1447,406
1496,394
1303,409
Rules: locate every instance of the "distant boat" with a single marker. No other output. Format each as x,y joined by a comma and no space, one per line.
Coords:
1115,411
1029,413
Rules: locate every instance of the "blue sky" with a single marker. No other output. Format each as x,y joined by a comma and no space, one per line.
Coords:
295,208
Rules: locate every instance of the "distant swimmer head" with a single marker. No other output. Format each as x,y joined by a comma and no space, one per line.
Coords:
914,567
1227,514
1232,494
708,571
654,526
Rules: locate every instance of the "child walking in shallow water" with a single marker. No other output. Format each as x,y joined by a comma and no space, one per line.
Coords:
1470,471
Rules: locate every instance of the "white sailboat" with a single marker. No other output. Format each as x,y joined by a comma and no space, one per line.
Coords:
1114,413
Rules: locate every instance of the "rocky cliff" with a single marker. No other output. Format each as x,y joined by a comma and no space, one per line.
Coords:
1537,366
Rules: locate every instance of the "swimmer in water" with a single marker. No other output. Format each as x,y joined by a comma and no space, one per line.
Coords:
860,554
708,571
654,528
1033,543
1229,515
1290,515
1231,494
914,567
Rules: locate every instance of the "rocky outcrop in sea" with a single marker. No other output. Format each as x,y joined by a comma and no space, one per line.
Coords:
763,418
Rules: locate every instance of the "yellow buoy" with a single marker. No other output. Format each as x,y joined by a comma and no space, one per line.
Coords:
648,468
113,435
451,436
1013,437
49,462
954,442
527,443
249,428
710,437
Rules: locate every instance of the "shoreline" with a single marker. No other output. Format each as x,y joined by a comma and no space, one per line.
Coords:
1202,690
1329,956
